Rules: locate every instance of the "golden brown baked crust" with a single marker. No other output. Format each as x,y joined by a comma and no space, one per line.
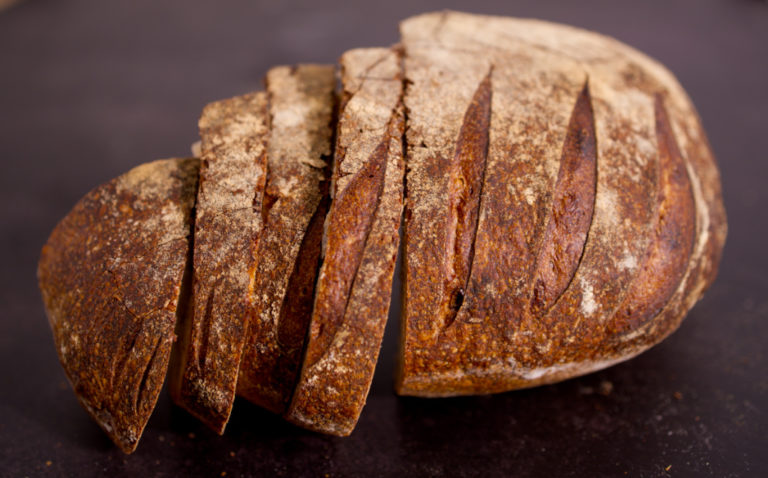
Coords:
600,220
110,275
360,247
228,222
564,213
301,100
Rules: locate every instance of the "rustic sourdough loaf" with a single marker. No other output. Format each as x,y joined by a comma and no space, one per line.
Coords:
563,213
228,222
566,202
360,246
111,278
301,102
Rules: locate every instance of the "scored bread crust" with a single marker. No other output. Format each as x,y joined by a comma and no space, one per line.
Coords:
228,222
111,278
599,220
360,246
564,213
301,102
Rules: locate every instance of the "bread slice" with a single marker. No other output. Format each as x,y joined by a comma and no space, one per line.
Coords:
111,276
301,102
563,210
228,223
361,241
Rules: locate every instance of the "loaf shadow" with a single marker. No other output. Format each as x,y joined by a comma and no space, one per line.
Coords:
580,422
251,422
254,440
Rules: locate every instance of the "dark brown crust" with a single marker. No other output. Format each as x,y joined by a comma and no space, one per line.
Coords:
110,275
349,225
505,336
571,213
227,228
294,318
522,266
361,240
465,186
669,252
301,107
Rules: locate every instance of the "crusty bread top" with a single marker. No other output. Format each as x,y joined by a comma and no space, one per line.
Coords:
564,213
361,240
531,294
301,102
110,275
228,222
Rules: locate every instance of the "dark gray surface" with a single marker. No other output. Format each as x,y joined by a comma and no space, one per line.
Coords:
90,89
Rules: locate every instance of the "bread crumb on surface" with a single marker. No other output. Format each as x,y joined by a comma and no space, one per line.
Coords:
606,387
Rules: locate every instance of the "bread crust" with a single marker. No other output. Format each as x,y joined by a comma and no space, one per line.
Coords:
301,102
361,241
564,214
556,287
111,275
228,224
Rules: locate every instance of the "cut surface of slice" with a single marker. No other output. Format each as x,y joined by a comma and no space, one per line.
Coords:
111,276
360,246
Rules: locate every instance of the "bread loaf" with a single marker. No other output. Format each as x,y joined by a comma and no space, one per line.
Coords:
361,241
112,274
301,103
566,199
562,214
228,223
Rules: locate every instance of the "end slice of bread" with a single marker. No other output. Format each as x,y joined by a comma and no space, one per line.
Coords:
111,275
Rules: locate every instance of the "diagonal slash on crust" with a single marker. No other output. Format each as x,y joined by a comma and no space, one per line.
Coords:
465,188
674,232
570,217
359,201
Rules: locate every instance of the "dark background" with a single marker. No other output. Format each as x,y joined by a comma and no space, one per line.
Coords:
90,89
